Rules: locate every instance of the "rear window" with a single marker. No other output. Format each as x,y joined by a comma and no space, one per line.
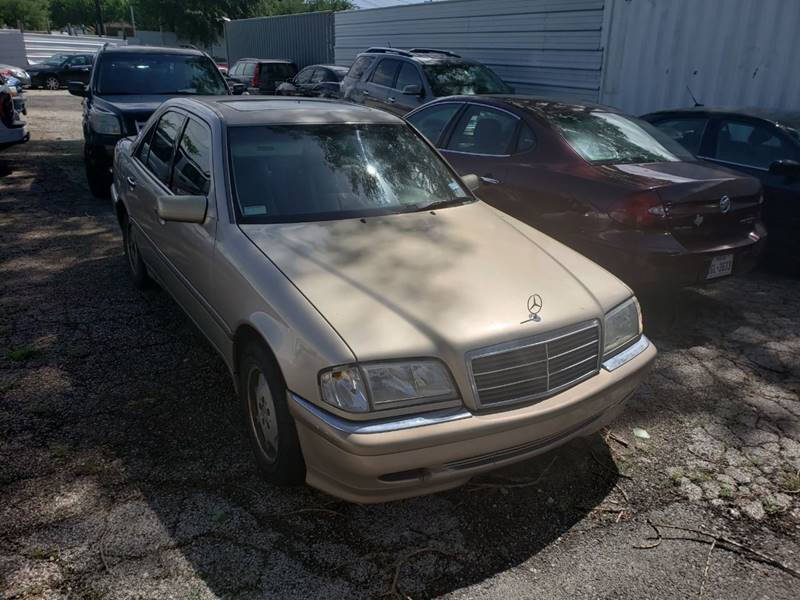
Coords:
602,137
158,74
278,70
454,79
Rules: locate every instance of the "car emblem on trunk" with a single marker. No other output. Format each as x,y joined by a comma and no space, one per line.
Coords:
698,220
724,204
534,307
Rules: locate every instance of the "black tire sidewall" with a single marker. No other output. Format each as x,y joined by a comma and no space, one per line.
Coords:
288,468
99,179
138,273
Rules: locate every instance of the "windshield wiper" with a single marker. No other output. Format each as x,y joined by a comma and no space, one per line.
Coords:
445,203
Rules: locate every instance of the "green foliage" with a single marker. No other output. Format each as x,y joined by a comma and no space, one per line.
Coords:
32,14
82,12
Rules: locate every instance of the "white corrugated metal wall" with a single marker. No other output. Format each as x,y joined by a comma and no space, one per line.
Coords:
543,47
40,46
728,52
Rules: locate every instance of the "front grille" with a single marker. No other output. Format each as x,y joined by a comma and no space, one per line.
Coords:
535,368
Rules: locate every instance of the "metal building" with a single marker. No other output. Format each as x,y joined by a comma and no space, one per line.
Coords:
305,38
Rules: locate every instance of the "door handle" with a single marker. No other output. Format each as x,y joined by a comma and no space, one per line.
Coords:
491,180
365,92
391,100
131,182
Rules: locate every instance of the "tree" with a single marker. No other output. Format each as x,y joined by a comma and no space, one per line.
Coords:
81,12
31,14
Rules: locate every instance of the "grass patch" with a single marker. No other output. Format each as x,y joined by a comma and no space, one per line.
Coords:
676,476
790,482
23,353
726,493
699,476
59,451
40,554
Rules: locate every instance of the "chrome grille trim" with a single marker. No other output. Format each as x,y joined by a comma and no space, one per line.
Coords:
575,363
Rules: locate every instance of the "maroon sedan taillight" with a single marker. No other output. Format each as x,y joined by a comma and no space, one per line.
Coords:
643,209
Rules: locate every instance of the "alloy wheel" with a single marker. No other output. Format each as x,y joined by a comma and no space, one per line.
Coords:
51,83
263,418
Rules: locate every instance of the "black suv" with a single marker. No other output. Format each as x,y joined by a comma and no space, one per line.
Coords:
128,83
401,80
56,71
262,75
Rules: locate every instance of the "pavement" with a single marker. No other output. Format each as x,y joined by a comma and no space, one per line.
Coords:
123,474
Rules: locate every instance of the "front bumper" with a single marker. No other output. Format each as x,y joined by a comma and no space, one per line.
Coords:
10,136
381,460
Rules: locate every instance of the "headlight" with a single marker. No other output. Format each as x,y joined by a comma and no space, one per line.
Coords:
387,385
622,324
104,122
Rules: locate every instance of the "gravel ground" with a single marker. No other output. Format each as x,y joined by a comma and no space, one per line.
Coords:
122,475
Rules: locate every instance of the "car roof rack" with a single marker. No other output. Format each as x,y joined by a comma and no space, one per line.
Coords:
382,50
434,51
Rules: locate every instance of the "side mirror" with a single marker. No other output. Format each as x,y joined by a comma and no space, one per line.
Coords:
471,181
237,88
412,90
785,168
183,209
77,88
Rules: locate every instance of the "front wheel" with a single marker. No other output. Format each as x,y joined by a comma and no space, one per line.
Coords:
52,83
97,174
269,426
136,267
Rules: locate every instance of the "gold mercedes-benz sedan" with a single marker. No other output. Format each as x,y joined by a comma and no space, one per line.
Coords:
388,334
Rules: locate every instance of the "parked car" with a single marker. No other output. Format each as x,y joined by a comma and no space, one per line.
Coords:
261,75
54,72
17,73
128,83
610,186
486,342
13,128
322,81
401,80
763,144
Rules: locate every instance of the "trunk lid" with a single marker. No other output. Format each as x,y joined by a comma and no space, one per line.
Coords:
705,205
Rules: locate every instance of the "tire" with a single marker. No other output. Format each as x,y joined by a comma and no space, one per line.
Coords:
99,177
136,267
269,427
52,83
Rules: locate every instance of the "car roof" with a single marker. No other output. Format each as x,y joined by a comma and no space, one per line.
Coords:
535,104
776,116
235,111
152,50
268,60
432,57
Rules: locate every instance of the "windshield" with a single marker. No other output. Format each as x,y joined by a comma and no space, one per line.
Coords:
608,138
294,173
56,59
158,74
453,79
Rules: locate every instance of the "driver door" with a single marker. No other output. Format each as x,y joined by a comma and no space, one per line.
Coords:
79,68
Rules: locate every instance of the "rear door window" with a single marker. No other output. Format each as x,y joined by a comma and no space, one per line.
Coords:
318,76
249,69
687,131
162,146
483,130
749,144
432,121
385,72
192,172
305,75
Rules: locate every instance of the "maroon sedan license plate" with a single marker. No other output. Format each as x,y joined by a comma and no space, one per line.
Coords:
720,266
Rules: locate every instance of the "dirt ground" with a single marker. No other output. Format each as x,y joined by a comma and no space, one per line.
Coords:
123,476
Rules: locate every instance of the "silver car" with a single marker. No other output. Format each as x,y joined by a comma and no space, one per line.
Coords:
388,334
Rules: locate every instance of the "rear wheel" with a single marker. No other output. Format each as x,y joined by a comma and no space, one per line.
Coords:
52,83
269,426
97,174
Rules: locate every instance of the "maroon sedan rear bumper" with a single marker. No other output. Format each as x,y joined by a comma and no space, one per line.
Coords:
651,264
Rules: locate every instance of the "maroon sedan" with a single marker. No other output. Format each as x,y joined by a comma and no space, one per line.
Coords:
611,186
